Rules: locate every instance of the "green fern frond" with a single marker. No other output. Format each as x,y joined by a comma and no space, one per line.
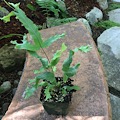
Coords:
52,6
107,24
55,22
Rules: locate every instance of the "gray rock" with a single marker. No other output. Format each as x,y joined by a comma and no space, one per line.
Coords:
109,42
109,45
115,104
3,11
62,4
20,73
11,58
103,4
5,107
1,117
85,22
5,86
114,15
16,83
94,15
14,91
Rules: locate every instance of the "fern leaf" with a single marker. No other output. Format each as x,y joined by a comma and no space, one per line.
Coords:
52,39
29,25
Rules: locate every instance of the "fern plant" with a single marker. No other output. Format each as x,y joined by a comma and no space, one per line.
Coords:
55,22
52,6
61,15
106,24
113,6
45,76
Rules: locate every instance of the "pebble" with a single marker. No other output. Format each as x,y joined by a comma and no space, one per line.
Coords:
3,11
14,91
5,107
16,83
20,73
6,86
1,117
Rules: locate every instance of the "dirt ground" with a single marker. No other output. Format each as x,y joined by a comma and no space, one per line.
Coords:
14,27
76,8
79,8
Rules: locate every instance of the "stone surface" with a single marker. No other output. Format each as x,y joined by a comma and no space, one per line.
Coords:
110,49
115,0
1,117
115,104
110,39
85,22
16,82
114,15
103,4
11,58
3,11
90,103
14,91
94,15
5,107
5,86
62,4
20,73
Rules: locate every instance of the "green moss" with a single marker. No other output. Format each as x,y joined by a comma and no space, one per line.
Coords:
113,6
55,22
106,24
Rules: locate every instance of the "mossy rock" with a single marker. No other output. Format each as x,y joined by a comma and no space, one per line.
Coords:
10,58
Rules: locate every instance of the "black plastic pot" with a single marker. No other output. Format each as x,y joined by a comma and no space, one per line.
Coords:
56,108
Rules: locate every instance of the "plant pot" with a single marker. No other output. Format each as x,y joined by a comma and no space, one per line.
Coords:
56,108
58,104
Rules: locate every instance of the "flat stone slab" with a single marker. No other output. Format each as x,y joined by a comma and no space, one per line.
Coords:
90,103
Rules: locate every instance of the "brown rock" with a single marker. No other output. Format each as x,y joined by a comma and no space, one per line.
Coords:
90,103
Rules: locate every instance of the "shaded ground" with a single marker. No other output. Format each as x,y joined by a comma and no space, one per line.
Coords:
79,8
7,96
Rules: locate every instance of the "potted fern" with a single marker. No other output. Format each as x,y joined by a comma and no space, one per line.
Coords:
56,91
